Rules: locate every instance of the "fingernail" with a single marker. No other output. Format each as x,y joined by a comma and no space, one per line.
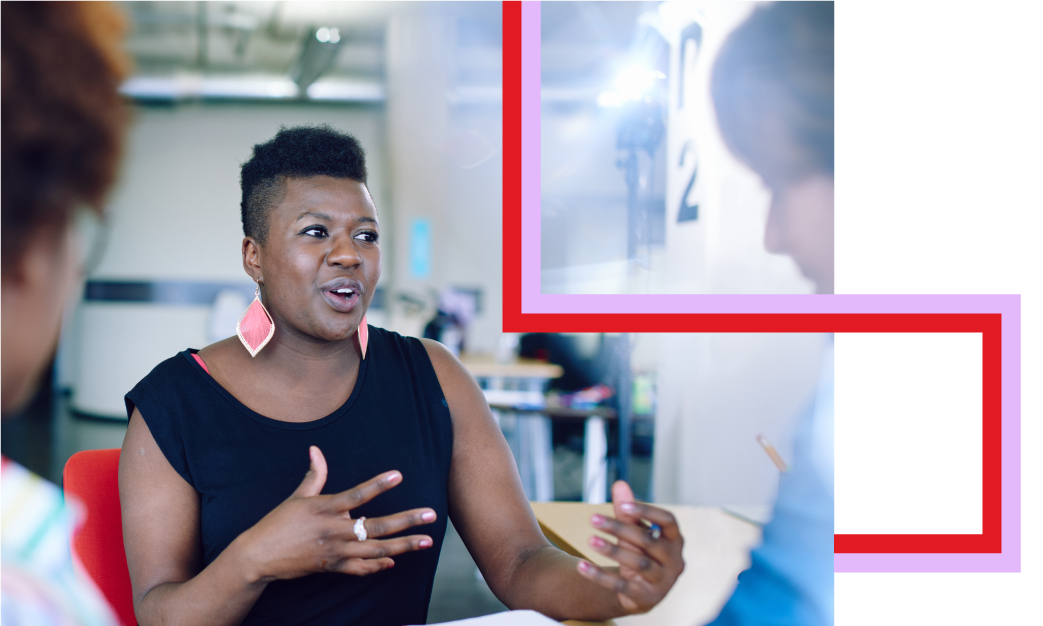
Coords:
425,543
584,566
628,507
597,542
392,564
597,520
394,477
429,516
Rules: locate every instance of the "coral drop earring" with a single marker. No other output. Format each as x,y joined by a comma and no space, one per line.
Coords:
363,336
255,327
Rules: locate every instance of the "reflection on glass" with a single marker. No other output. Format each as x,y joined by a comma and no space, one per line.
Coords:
638,192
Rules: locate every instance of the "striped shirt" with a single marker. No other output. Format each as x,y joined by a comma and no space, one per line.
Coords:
42,582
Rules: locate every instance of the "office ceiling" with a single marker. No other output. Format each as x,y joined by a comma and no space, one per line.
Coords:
266,37
584,44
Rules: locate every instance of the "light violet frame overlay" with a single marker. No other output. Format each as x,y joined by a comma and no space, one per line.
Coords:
1008,306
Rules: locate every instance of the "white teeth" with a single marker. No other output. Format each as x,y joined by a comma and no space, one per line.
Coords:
343,291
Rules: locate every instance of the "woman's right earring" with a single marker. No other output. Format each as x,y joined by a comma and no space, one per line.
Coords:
255,328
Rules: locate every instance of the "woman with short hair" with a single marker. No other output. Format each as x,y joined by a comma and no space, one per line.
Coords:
391,435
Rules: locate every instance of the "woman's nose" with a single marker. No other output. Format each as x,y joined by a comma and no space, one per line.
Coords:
343,253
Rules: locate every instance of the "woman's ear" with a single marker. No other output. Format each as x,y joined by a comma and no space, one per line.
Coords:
252,258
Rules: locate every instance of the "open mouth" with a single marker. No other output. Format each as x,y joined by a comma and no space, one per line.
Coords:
342,299
344,294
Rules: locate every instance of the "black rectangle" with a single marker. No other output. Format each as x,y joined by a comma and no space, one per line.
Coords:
177,292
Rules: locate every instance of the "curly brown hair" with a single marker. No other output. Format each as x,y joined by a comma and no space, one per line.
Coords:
63,118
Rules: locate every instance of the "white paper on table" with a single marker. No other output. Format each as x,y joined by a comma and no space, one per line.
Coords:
507,618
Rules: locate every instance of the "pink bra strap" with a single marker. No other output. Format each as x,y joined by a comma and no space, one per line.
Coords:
200,361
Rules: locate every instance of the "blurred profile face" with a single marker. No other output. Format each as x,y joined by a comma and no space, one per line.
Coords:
321,262
800,224
35,293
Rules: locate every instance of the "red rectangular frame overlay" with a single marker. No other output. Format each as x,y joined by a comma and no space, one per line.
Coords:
989,325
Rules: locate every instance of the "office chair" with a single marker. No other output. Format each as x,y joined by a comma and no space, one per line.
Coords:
92,477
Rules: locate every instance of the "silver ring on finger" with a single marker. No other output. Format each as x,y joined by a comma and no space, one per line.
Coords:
360,529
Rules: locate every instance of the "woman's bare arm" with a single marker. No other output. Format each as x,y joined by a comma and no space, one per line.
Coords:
307,533
488,507
162,537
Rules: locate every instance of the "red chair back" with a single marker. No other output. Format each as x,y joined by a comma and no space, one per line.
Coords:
92,476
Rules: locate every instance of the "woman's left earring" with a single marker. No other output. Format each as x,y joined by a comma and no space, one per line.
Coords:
255,327
363,336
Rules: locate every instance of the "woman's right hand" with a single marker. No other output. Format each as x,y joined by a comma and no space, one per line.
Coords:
310,532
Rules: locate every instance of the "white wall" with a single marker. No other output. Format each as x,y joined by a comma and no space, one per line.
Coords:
471,250
716,393
583,195
722,251
464,205
175,212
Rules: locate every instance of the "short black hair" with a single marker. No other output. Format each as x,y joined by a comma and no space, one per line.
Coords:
297,152
772,88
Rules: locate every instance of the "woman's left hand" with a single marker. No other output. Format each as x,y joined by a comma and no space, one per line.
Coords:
649,560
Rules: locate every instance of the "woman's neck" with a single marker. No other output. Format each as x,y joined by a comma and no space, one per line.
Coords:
289,380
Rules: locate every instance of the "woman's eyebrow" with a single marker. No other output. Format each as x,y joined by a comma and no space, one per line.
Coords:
321,216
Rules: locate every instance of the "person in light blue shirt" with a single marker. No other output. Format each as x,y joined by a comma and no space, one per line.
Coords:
772,89
790,579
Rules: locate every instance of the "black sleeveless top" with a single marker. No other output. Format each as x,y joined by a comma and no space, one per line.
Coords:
244,464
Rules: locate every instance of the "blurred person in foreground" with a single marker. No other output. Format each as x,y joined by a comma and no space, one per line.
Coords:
63,124
772,89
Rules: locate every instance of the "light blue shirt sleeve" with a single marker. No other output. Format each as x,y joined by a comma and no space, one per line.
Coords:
790,578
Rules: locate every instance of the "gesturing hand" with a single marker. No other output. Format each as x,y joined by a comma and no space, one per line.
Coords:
309,532
649,555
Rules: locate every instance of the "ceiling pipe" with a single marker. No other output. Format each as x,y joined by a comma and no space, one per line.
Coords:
320,49
202,35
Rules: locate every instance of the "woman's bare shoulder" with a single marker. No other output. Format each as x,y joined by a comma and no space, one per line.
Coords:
447,367
221,349
222,359
460,388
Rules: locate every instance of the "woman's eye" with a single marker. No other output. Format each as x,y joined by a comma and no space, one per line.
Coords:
315,231
368,236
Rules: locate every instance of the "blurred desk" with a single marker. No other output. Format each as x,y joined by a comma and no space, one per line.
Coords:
518,383
485,366
716,549
514,391
513,387
595,445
